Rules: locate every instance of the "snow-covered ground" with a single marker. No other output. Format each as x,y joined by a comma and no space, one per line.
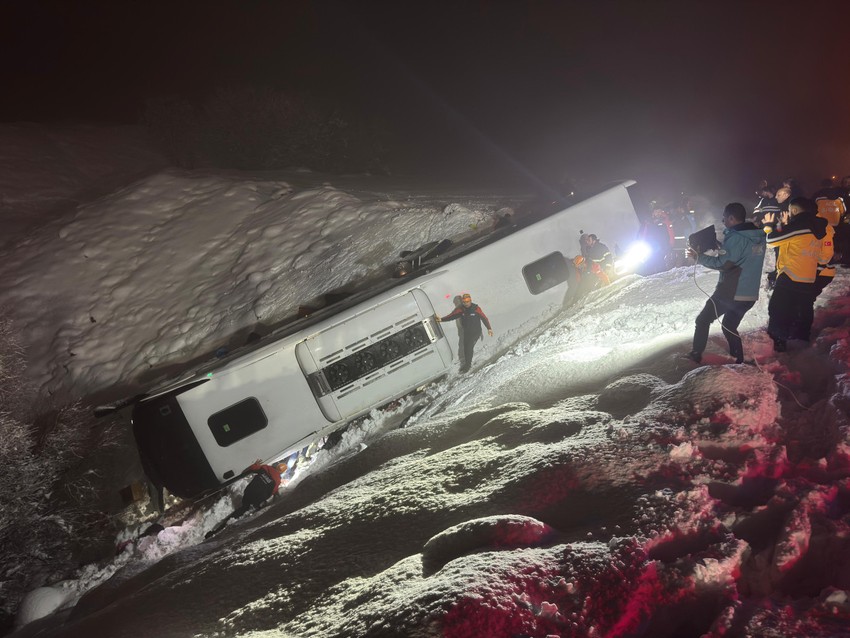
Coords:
588,482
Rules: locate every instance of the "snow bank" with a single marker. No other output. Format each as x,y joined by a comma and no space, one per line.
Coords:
39,603
180,264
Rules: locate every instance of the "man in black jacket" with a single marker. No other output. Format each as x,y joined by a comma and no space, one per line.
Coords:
598,257
766,204
470,317
264,484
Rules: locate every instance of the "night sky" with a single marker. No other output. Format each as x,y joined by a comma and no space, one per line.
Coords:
706,97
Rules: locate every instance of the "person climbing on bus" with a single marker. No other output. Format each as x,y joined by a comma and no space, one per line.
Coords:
582,280
262,487
470,318
599,258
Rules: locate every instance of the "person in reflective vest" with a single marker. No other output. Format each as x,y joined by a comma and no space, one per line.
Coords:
469,317
262,487
798,235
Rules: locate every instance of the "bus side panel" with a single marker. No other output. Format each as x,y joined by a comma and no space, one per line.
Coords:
366,332
279,386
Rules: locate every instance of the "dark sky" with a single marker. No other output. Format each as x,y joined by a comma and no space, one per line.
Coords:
701,96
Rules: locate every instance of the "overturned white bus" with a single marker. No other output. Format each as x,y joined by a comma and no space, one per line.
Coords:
316,374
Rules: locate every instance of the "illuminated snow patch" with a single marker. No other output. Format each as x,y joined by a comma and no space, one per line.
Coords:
588,353
291,545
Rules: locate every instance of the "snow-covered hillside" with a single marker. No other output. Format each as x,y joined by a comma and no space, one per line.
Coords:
123,289
588,482
47,170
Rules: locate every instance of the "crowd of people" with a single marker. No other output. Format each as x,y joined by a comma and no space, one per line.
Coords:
803,232
808,236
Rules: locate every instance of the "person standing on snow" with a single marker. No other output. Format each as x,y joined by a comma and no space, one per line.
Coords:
458,302
657,231
262,487
783,200
739,261
829,201
799,240
470,317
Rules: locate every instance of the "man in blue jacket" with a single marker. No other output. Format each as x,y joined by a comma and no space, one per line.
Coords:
739,261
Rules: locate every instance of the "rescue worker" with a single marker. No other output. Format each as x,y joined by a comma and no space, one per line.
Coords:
470,317
832,204
458,303
826,269
262,487
581,281
739,262
799,241
657,231
683,224
599,257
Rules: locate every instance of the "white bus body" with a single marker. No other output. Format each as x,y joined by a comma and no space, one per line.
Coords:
315,375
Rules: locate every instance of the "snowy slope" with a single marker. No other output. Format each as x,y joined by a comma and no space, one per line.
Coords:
179,264
46,170
617,510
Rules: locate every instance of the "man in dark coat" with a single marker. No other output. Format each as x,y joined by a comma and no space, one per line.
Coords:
597,254
470,317
262,487
766,204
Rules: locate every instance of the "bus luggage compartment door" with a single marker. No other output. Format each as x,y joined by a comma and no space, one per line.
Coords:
374,356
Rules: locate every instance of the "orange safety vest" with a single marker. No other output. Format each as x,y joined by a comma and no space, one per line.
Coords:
832,210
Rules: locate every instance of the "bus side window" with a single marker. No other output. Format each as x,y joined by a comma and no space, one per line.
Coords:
238,421
546,273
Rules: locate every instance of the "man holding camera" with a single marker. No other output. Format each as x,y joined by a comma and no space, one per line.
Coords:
739,260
